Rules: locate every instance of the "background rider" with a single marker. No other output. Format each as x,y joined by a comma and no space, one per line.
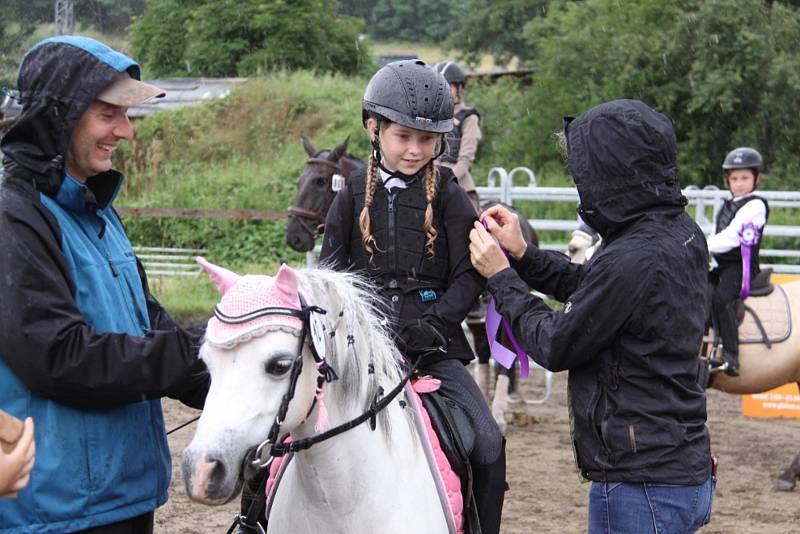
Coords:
463,139
742,172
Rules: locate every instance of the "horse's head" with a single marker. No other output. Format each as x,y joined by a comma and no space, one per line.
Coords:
268,349
315,193
580,246
255,353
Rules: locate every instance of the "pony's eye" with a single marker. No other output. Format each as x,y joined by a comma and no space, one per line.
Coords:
278,366
319,181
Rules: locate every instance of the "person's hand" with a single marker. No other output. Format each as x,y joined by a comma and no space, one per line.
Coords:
16,462
419,337
484,252
503,224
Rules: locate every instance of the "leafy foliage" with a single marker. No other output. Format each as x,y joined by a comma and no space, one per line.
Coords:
724,70
106,16
246,37
495,27
423,21
241,152
417,21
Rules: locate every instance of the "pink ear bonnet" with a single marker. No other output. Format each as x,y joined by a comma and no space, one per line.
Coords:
243,297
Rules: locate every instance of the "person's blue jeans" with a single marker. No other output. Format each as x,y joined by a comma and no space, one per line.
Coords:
645,508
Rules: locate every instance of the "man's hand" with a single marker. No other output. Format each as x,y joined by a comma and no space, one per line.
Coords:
16,462
484,252
503,224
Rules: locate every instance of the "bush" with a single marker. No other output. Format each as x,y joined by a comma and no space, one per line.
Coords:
241,152
725,71
246,37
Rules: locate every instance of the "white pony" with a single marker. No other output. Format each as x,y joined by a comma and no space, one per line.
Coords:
361,480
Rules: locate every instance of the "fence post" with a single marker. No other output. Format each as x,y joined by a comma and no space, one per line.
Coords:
523,170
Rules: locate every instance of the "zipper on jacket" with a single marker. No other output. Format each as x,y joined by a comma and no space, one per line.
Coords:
114,270
392,245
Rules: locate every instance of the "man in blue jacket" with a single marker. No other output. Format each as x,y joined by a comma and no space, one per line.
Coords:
84,347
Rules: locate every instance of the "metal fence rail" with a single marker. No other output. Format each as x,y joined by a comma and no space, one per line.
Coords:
704,204
160,261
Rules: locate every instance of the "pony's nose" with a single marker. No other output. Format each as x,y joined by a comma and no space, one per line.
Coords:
294,241
299,241
205,476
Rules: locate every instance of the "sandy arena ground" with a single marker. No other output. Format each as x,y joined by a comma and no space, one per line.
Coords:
546,495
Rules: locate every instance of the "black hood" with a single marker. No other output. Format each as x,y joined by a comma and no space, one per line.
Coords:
58,79
622,157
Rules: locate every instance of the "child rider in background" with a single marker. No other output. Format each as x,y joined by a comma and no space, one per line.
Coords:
742,172
463,139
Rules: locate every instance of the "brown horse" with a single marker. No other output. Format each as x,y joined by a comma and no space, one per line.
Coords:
315,192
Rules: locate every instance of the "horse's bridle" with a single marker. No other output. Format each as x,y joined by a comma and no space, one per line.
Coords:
306,217
278,447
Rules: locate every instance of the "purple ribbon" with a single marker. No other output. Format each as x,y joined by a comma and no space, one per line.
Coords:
501,354
749,236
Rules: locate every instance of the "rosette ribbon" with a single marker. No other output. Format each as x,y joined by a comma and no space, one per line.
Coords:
501,354
749,236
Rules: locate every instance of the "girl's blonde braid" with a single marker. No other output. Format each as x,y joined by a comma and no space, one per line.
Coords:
430,192
367,239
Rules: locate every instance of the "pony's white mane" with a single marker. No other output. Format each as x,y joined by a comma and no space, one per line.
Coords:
354,312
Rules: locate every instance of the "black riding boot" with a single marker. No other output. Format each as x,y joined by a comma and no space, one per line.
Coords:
489,487
728,331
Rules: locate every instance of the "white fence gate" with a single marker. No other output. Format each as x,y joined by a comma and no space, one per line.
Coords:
703,205
160,261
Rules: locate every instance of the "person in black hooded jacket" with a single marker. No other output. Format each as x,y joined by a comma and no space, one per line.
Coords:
631,327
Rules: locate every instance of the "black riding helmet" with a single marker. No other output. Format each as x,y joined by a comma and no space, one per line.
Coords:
411,94
451,72
743,158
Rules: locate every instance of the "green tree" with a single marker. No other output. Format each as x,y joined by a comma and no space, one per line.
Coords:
358,8
107,16
495,27
246,37
158,36
725,71
419,21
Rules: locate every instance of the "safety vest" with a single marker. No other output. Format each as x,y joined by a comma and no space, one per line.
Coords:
724,218
453,137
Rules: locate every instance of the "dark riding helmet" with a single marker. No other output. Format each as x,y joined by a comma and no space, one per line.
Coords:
743,158
451,72
411,94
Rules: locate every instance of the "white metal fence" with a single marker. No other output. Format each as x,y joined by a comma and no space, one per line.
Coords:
159,261
703,205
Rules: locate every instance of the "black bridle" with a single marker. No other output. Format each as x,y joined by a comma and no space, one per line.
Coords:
276,443
307,217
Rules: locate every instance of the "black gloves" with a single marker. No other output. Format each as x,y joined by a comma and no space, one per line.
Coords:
418,337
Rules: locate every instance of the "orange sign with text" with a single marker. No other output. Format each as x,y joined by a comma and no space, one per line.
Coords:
783,401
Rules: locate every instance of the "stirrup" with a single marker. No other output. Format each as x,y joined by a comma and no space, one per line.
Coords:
717,366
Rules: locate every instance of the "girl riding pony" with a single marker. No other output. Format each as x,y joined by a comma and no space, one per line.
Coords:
404,223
